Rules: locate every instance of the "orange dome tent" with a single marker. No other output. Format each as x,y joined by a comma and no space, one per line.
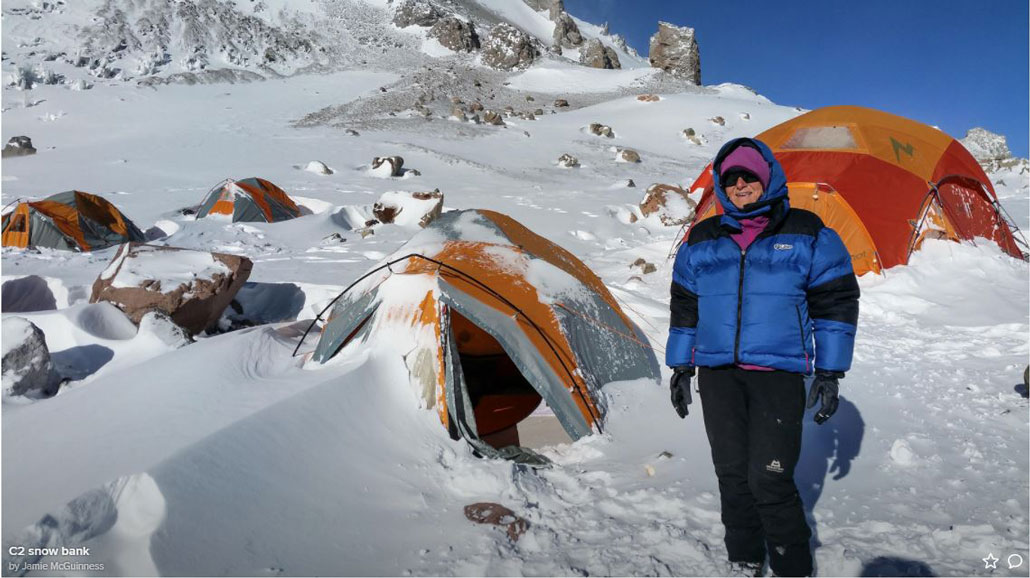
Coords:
903,181
250,200
72,221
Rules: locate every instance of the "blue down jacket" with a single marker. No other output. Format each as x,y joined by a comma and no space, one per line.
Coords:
790,301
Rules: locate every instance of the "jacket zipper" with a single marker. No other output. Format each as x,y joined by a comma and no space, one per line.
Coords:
740,306
801,328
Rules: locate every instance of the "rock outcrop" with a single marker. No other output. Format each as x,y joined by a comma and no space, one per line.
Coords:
989,149
566,32
456,34
674,49
597,55
192,287
508,48
416,13
27,367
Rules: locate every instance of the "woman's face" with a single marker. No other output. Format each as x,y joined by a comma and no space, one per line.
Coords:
741,192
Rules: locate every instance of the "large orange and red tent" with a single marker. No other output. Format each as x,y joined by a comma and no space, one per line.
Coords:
903,180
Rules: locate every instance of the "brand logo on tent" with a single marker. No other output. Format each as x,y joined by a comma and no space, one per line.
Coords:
783,247
899,148
774,466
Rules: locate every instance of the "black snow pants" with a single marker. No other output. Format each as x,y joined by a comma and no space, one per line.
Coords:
753,420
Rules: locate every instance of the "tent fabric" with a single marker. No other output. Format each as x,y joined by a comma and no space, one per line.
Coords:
482,284
71,220
884,166
249,200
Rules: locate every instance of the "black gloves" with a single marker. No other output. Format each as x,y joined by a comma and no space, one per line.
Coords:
824,386
680,388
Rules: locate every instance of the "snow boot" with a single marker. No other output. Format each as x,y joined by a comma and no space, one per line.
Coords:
746,568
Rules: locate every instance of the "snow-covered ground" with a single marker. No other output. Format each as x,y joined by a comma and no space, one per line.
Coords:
227,457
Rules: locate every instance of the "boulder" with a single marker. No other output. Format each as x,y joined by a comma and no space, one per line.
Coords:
456,34
475,106
566,33
745,116
351,132
597,55
388,166
416,13
645,267
568,161
408,209
191,287
18,146
601,130
561,103
497,515
649,98
693,137
670,203
458,113
494,118
508,48
718,120
27,367
674,50
161,326
627,156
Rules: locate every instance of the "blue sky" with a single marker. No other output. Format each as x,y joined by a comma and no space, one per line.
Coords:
955,64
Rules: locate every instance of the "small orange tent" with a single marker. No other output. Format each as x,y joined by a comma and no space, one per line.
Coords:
903,180
72,220
249,200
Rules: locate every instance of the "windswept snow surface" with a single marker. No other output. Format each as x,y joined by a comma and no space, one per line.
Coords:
226,457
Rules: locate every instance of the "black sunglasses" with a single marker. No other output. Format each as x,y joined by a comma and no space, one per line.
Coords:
729,178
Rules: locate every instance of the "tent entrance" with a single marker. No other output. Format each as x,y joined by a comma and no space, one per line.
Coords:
507,407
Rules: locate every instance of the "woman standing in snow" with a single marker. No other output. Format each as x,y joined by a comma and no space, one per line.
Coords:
751,290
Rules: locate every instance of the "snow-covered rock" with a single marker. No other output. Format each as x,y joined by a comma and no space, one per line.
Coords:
318,167
568,161
670,203
597,55
627,156
455,34
27,368
391,166
508,48
408,209
18,146
990,149
416,13
674,49
601,130
192,287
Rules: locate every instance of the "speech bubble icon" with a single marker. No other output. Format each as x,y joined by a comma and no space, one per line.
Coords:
1015,561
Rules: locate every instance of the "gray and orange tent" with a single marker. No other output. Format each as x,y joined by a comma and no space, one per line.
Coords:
72,220
884,182
495,320
249,200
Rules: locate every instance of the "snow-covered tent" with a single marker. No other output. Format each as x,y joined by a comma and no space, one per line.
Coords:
251,199
492,319
72,220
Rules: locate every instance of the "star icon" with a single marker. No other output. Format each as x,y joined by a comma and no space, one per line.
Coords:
990,561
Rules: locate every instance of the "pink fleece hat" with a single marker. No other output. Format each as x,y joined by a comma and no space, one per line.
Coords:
749,159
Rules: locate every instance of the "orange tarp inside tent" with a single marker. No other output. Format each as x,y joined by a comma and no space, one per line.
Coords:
904,180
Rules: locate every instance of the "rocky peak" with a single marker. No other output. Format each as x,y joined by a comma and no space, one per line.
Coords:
674,49
989,149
